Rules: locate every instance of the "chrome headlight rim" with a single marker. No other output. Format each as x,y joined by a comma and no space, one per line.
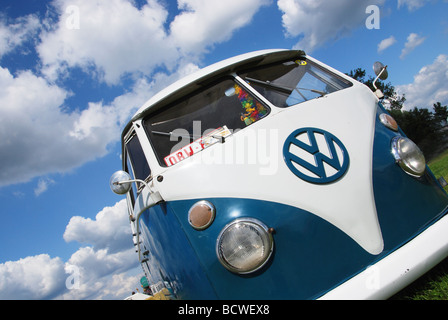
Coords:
268,250
403,161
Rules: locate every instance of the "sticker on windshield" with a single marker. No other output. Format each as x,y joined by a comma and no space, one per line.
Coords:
252,109
198,145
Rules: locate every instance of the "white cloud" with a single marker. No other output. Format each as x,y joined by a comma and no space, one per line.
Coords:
113,38
98,274
37,129
412,4
102,268
386,43
13,35
320,21
95,264
43,185
429,85
412,42
30,118
202,23
37,277
88,274
107,269
120,286
110,230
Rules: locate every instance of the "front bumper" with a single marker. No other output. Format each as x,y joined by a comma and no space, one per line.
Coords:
399,269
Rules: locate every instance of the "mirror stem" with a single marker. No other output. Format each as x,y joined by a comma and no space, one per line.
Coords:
116,183
378,92
376,79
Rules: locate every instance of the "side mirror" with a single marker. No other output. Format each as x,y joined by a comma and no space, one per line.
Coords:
120,182
381,73
380,70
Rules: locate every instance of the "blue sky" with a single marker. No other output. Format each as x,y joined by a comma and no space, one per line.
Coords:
72,72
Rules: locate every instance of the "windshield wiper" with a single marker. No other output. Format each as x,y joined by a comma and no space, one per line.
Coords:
271,85
190,136
283,88
171,134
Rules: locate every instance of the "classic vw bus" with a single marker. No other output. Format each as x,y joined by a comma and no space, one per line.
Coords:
273,176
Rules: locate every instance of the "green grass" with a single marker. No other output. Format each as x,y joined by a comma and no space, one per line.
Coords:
431,286
439,166
434,284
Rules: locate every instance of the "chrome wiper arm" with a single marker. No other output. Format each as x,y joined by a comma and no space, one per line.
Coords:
190,136
271,85
316,91
171,134
283,88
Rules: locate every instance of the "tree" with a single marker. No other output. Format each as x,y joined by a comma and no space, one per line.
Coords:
396,101
420,124
440,114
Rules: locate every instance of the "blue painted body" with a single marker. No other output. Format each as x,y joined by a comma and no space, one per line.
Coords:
310,257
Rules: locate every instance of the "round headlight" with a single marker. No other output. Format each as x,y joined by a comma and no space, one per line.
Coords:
408,156
244,245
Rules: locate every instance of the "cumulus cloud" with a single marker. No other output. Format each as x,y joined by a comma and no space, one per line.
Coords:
110,230
89,274
202,23
412,42
113,37
102,265
37,277
107,268
38,143
95,264
429,85
98,274
31,115
320,21
100,270
386,43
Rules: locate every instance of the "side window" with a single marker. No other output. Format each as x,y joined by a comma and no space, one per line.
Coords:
136,163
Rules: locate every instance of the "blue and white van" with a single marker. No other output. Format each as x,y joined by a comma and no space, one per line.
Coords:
273,176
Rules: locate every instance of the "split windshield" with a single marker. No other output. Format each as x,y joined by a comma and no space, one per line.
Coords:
209,116
292,82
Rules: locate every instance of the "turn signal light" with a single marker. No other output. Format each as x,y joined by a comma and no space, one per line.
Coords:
201,215
388,121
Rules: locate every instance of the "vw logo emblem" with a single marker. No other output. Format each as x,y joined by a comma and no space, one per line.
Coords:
315,155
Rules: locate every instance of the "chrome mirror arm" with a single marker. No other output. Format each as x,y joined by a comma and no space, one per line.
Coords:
120,183
381,73
379,76
116,183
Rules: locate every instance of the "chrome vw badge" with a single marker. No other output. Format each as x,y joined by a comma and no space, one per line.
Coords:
315,155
